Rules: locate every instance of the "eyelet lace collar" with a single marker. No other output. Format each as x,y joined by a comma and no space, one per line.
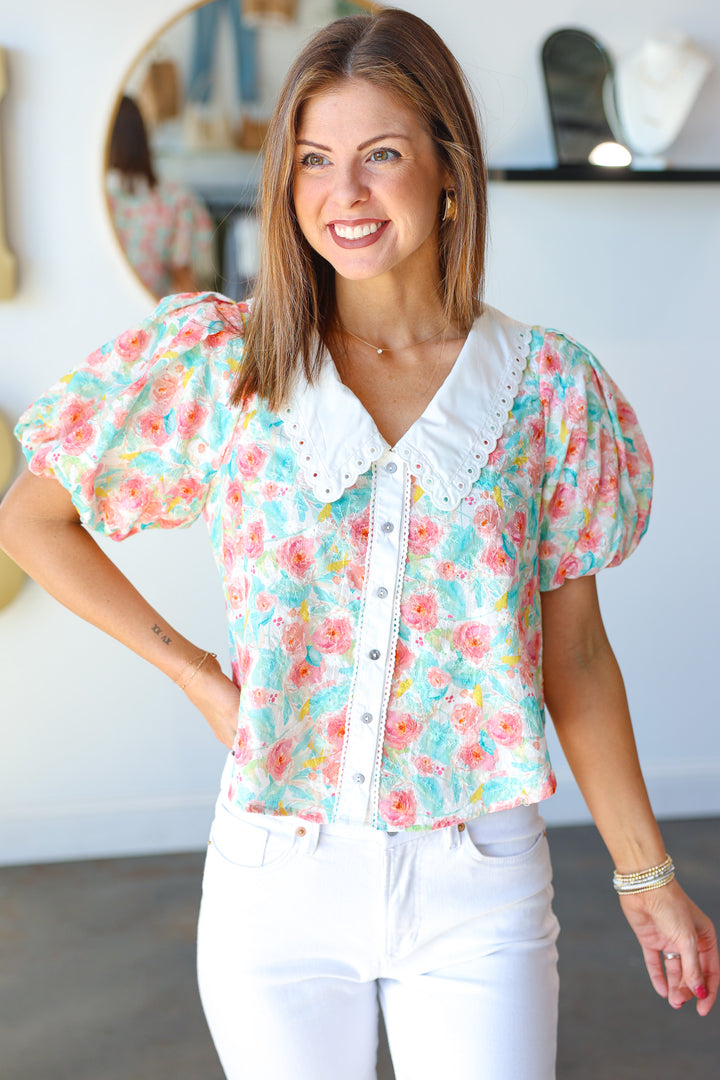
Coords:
336,439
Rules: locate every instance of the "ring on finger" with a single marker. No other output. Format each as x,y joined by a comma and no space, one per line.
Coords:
672,955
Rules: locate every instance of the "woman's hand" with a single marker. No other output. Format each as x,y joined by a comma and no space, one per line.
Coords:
665,920
217,698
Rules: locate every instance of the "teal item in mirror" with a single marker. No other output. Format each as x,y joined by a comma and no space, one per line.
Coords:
576,67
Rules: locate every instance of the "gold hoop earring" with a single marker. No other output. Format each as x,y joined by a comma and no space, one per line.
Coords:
450,212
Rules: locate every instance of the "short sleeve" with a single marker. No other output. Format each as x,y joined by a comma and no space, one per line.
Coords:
597,487
138,432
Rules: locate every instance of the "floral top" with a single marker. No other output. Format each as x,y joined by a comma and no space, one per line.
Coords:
160,229
383,603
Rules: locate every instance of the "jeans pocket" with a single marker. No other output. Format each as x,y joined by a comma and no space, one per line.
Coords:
506,852
248,845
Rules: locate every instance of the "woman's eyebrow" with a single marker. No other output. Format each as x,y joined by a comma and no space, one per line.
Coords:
368,142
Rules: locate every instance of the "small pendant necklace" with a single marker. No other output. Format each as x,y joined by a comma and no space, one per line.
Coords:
397,348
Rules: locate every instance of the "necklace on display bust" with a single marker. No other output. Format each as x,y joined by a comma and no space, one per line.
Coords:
396,348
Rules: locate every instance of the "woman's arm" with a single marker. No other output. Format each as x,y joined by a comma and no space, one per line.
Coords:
586,699
40,529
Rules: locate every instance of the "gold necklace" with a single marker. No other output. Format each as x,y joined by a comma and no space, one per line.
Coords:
398,348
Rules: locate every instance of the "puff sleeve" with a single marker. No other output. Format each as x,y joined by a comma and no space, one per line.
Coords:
597,487
138,432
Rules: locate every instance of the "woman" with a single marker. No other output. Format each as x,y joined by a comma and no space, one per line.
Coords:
401,530
164,230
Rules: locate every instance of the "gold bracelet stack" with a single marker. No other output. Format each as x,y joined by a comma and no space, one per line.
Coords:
196,665
645,880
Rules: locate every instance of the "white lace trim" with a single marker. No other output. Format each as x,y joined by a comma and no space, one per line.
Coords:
336,441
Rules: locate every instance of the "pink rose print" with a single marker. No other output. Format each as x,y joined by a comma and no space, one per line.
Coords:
297,557
294,639
516,527
130,344
420,611
424,765
562,502
399,808
242,666
237,593
472,756
499,561
576,446
335,728
279,759
253,539
265,601
466,719
331,770
190,417
234,498
313,815
569,567
152,427
505,728
165,389
591,536
250,460
135,494
258,697
487,518
549,360
79,438
303,673
189,335
437,678
270,490
576,405
76,411
472,640
423,535
446,570
400,730
360,530
403,656
355,573
241,747
333,636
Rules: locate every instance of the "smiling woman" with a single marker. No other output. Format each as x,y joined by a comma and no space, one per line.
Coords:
408,495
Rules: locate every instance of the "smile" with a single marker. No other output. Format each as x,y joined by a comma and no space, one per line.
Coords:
360,235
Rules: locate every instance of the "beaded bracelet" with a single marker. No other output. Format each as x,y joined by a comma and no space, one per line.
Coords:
645,880
198,664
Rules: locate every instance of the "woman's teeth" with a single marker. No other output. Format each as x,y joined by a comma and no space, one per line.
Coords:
348,232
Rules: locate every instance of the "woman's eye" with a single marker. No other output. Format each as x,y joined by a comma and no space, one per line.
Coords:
384,154
313,160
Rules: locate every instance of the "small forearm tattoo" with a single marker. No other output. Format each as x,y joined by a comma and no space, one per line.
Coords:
161,634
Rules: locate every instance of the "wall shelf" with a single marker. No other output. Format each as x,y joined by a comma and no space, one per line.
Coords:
597,174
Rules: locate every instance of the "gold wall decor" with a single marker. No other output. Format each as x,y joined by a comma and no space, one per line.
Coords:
8,268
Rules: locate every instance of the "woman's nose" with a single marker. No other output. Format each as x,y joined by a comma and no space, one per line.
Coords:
350,185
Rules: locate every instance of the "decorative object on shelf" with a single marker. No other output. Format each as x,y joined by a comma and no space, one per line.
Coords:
576,67
283,11
653,91
8,266
11,576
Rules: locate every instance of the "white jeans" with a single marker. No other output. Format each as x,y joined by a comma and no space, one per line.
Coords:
303,926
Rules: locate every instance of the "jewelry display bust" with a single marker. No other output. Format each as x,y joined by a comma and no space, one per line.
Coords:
655,89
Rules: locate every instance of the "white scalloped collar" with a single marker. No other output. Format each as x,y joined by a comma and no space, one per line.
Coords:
336,439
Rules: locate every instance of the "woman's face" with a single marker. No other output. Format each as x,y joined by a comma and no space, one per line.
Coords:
367,183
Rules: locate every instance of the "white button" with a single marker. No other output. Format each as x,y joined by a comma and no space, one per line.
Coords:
366,718
382,592
388,527
391,467
374,654
359,778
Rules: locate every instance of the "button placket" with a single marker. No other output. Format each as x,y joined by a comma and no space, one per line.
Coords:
365,721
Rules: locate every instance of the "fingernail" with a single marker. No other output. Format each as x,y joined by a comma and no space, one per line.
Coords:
700,992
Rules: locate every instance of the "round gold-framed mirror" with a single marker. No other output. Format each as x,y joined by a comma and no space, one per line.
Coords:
183,147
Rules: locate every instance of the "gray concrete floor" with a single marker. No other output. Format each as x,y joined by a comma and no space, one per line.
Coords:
97,974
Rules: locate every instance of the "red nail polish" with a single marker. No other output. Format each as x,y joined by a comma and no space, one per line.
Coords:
701,992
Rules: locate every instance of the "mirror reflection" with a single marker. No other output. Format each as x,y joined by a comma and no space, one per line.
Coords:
183,156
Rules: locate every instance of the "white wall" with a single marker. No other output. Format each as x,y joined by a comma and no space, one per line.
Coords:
100,755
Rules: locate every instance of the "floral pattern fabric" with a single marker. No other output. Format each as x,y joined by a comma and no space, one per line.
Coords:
143,435
161,229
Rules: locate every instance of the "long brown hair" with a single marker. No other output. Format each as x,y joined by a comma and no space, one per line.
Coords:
294,298
129,151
